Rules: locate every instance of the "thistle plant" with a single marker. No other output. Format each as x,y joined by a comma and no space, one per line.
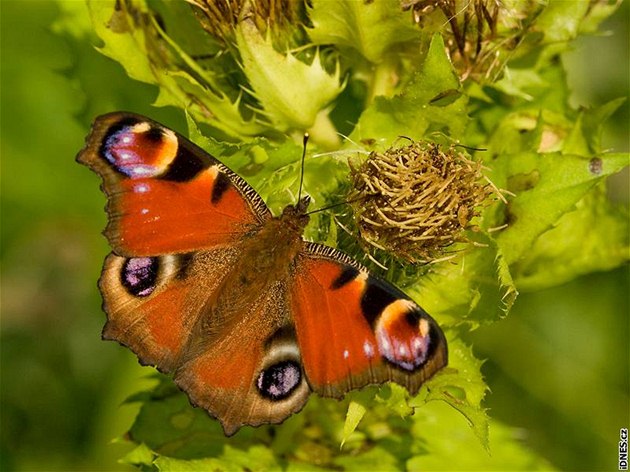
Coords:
374,83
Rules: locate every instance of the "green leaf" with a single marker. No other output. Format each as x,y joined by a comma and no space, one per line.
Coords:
168,464
294,466
371,28
521,83
355,413
129,35
122,41
431,101
462,386
396,398
586,133
474,288
376,458
448,445
169,426
546,187
560,20
257,458
293,95
595,236
576,143
138,456
530,96
73,20
598,12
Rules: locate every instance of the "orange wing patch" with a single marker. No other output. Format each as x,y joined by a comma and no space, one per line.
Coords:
153,216
241,380
338,345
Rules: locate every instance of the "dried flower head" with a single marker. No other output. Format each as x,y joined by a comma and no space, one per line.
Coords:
219,17
415,200
480,35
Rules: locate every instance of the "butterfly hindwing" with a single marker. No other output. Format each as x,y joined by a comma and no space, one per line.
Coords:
165,194
153,303
249,374
355,329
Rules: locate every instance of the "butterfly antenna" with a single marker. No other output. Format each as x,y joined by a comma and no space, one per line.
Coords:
304,142
471,148
345,202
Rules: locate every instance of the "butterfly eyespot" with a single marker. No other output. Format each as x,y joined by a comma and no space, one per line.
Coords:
403,335
278,381
139,275
138,149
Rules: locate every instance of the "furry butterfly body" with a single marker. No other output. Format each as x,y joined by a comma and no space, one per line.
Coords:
205,284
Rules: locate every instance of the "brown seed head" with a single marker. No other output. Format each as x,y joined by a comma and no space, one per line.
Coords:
415,200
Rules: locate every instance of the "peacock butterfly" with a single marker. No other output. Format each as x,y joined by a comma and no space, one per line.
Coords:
205,284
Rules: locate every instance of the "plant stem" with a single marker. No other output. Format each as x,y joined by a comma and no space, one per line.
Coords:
324,133
384,80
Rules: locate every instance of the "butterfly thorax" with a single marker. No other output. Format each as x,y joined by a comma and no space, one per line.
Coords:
265,264
268,255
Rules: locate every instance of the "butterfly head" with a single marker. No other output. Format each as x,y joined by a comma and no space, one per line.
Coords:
302,205
295,215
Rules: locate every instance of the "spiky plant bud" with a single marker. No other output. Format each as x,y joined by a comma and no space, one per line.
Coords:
416,200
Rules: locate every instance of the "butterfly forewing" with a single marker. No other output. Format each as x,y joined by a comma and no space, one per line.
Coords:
166,195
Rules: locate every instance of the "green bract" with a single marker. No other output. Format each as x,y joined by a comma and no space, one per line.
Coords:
292,94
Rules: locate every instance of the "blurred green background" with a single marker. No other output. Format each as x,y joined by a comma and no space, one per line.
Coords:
558,366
